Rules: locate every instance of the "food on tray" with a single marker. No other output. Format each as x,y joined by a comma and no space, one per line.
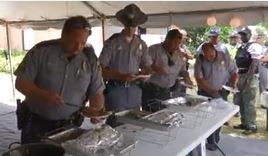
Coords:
87,112
94,140
137,114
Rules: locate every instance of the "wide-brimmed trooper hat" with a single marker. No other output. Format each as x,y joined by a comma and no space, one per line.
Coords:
131,15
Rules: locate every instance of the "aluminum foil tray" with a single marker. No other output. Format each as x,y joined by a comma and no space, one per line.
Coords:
166,117
162,120
188,100
98,142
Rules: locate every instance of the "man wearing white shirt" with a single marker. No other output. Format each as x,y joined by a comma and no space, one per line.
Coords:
263,70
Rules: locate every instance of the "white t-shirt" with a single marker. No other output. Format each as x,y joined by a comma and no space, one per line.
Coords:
255,50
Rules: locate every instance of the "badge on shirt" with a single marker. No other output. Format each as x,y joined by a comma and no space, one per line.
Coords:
139,50
84,66
140,47
119,48
222,63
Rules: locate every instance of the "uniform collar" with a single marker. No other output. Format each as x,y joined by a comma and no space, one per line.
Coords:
122,37
63,56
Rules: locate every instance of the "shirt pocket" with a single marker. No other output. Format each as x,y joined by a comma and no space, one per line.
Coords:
138,52
53,67
82,79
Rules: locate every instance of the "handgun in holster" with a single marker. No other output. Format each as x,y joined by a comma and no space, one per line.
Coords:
23,114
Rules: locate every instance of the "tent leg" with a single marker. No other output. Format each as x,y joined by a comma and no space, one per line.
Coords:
103,29
10,61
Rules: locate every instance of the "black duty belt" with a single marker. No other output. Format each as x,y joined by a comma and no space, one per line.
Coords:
242,71
37,118
121,83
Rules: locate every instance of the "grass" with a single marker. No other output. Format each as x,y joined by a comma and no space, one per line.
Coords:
16,58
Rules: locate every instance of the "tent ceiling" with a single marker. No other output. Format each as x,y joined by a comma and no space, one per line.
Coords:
161,13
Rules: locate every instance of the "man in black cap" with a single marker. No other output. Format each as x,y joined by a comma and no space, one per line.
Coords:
125,60
247,59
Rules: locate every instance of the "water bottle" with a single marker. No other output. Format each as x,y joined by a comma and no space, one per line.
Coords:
264,99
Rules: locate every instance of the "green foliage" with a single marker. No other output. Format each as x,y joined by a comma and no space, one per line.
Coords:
197,35
16,55
263,25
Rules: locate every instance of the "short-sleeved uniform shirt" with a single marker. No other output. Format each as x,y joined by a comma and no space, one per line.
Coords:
160,57
216,72
47,66
123,56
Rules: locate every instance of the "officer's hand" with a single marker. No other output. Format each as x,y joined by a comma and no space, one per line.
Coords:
234,86
92,114
264,59
143,77
52,98
95,120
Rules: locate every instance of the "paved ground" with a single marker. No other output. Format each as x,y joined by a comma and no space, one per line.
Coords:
8,130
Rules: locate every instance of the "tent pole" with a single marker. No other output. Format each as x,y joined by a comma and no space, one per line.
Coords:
10,60
103,29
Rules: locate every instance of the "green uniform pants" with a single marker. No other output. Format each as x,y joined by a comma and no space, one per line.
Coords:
246,99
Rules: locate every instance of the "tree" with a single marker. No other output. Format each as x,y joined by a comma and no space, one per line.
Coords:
198,35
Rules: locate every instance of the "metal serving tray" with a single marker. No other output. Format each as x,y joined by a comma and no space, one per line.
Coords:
124,145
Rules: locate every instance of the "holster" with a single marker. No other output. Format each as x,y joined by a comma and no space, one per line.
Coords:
23,114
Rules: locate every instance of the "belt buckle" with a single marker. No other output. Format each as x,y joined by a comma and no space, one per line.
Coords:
126,84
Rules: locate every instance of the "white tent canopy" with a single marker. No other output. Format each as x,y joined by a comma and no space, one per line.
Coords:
50,14
42,15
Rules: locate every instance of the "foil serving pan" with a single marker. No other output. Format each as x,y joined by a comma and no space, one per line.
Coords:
188,100
162,120
97,142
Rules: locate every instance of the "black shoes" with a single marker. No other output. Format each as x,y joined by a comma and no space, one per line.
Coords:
250,130
241,126
237,115
211,147
226,124
247,129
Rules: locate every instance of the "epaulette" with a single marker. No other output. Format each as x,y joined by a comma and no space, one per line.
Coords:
47,43
114,36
